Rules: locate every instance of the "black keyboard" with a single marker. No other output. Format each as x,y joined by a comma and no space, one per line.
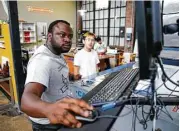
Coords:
113,87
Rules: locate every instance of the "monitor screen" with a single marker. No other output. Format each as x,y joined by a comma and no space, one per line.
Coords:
149,34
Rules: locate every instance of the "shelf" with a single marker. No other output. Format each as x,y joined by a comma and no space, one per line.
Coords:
27,30
1,36
27,23
28,36
2,42
28,42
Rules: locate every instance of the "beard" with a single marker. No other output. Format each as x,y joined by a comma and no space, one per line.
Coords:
60,48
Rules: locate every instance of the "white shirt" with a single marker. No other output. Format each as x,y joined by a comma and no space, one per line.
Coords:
87,61
99,47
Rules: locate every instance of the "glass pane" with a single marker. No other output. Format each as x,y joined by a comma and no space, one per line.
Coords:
123,12
121,41
87,7
83,2
83,7
105,22
83,17
97,23
101,23
105,13
91,30
87,16
100,31
112,4
87,24
111,41
105,31
91,24
105,40
116,41
122,21
97,15
117,12
111,31
91,7
118,4
117,22
123,3
112,13
101,13
112,23
96,31
91,15
84,24
116,31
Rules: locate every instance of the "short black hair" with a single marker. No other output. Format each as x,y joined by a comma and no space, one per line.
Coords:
98,38
50,29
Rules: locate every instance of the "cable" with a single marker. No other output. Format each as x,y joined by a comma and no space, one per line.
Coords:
169,88
164,73
170,77
172,91
134,114
167,113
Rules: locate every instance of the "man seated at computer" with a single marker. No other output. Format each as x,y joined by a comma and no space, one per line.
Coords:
86,60
100,46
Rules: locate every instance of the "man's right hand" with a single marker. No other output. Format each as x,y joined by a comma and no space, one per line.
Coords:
60,112
77,77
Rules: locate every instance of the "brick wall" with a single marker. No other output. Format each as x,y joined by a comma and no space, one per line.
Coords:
128,47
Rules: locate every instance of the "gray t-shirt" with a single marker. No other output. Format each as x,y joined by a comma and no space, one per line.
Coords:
52,71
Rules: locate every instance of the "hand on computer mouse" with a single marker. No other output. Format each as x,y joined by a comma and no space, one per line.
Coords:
62,111
92,116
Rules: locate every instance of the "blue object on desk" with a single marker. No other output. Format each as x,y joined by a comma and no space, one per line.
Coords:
108,106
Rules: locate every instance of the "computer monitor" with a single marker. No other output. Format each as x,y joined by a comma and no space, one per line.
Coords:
149,34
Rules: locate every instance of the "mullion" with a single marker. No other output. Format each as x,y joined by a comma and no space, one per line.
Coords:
120,23
103,23
89,16
99,23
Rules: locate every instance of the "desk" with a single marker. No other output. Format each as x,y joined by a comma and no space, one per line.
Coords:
124,123
104,61
164,123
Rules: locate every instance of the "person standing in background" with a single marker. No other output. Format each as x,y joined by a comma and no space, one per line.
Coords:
86,60
100,46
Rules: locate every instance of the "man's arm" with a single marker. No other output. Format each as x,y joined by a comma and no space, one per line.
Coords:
31,103
77,75
58,112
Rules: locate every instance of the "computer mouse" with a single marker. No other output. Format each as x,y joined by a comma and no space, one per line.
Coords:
92,117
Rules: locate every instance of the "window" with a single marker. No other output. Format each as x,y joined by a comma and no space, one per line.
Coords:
103,22
88,17
117,21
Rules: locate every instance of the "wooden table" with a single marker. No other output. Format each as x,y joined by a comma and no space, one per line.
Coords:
6,88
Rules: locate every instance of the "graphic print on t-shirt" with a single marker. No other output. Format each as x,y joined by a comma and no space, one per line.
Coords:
65,86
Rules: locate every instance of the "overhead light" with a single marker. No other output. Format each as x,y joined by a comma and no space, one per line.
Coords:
38,9
82,12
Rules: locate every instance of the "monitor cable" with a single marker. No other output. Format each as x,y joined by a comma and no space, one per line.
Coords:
164,73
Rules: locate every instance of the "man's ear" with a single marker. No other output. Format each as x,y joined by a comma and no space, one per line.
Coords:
49,36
